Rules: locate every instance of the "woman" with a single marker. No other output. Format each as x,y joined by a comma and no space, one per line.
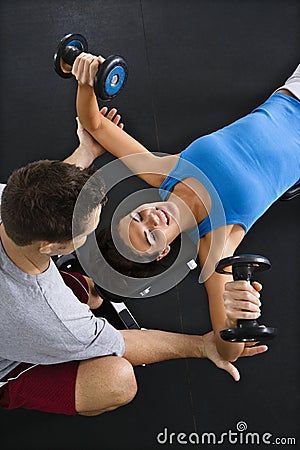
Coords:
216,188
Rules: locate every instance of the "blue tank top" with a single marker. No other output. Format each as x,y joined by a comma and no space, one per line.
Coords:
245,166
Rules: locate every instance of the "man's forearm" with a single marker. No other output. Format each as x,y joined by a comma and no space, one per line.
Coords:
151,346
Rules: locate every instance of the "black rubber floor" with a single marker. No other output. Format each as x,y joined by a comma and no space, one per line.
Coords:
194,66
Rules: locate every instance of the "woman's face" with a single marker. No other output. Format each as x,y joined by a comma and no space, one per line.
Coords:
151,227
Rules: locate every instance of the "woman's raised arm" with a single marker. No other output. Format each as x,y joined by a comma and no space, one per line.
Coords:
137,158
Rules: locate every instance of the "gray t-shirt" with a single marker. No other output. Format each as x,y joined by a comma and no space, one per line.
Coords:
43,322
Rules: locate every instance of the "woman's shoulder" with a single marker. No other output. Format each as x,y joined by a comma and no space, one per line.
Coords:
164,166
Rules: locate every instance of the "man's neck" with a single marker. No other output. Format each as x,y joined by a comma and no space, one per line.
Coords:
27,258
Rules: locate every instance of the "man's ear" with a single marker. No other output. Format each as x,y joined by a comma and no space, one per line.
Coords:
46,248
163,253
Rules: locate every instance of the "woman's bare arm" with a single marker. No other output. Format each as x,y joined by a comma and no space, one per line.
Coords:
137,158
216,288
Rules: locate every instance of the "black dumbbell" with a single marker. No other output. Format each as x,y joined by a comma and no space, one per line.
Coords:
243,267
112,73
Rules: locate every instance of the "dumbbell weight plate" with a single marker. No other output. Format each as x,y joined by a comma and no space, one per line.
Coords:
70,40
249,334
110,78
259,263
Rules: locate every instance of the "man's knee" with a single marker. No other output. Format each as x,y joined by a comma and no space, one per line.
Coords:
104,384
123,383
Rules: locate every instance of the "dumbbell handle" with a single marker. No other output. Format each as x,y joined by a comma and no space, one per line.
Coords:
70,53
242,272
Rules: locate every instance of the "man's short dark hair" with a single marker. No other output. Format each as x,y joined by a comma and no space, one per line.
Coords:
39,199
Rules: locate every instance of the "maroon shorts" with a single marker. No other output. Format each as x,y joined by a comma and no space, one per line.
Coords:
48,388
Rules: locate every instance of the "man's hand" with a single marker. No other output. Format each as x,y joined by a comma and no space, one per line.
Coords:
252,349
210,351
87,142
89,149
